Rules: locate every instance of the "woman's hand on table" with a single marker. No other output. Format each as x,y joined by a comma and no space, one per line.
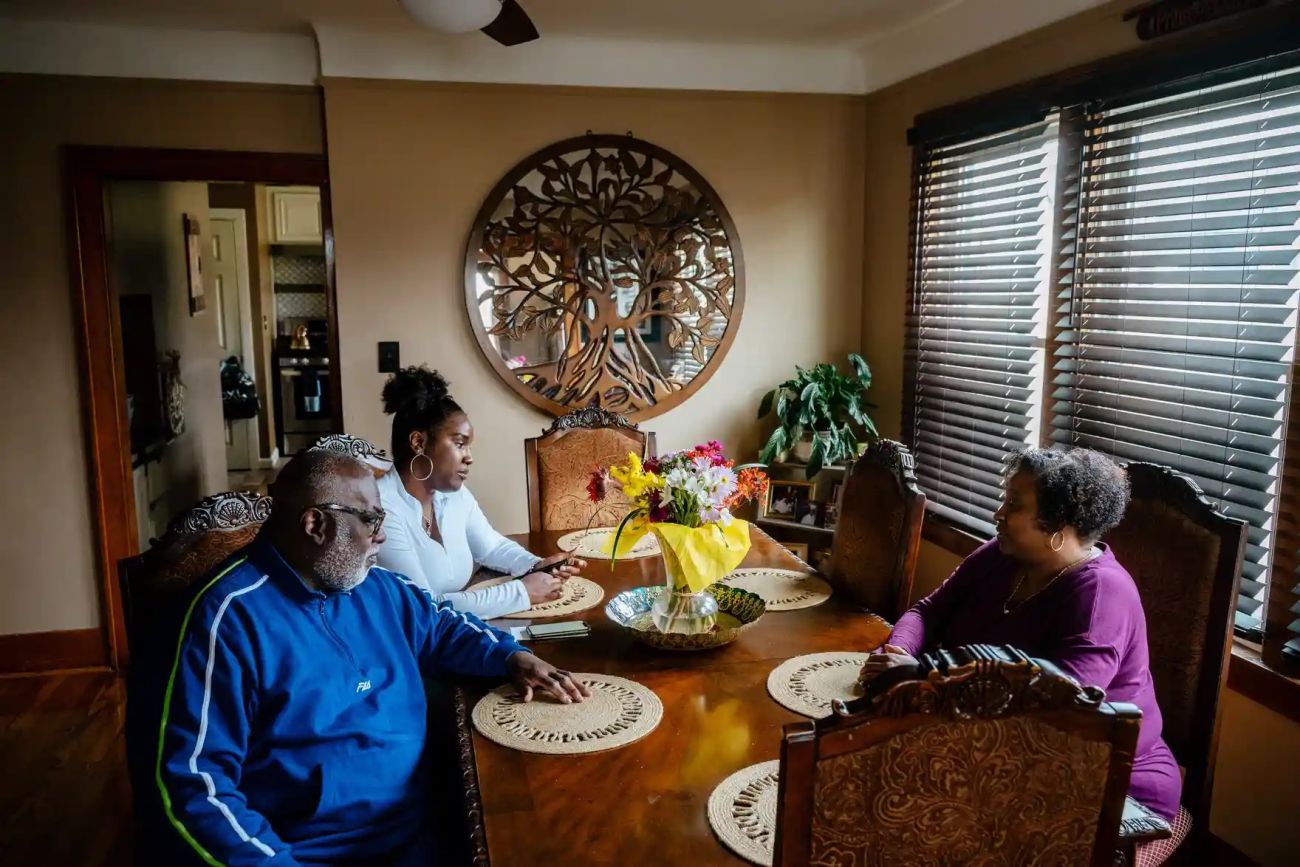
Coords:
562,565
887,657
533,676
542,587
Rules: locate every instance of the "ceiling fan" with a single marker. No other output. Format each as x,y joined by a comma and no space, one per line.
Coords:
503,20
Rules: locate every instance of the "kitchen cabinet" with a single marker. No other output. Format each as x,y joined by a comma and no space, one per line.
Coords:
295,215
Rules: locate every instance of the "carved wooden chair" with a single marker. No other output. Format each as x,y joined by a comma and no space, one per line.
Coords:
1186,558
153,585
873,554
977,755
363,450
560,461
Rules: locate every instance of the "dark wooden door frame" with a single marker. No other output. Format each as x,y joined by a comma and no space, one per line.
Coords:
87,170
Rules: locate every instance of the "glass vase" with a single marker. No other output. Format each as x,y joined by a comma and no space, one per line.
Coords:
680,611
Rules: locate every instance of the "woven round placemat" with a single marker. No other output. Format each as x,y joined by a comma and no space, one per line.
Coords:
807,684
781,589
619,712
578,594
742,811
592,543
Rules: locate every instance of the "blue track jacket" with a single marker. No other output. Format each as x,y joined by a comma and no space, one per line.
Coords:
294,721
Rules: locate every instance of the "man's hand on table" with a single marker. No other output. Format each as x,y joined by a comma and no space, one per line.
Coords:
537,676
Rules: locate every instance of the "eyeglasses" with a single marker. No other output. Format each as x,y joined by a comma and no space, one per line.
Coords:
373,520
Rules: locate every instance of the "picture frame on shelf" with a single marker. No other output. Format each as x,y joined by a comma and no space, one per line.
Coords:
792,501
836,488
799,549
831,514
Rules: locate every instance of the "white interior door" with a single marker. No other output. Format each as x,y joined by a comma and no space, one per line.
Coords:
228,260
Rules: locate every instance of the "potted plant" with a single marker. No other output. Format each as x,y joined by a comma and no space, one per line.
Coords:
822,406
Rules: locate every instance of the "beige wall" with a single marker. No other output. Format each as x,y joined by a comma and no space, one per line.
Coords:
47,544
410,164
1257,792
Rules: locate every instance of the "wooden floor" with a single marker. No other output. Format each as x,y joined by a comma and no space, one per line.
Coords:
64,793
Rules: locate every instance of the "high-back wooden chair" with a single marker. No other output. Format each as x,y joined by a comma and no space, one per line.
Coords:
560,461
979,755
1186,558
873,554
153,586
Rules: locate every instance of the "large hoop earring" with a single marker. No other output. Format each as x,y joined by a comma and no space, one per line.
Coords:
1055,543
412,466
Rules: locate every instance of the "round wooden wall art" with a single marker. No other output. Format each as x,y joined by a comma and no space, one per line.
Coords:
604,271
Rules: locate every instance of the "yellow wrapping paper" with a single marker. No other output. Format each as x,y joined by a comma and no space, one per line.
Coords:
694,557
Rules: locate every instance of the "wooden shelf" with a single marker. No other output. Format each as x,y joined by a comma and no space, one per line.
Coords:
780,522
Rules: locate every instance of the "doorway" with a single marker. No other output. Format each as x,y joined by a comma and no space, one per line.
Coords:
178,263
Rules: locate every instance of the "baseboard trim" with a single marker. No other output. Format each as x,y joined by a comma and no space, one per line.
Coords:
51,651
269,463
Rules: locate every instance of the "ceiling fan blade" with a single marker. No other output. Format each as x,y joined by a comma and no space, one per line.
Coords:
512,26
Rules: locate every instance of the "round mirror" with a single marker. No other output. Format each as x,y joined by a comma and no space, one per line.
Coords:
604,271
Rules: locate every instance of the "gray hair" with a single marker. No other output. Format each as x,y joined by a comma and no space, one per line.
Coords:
313,477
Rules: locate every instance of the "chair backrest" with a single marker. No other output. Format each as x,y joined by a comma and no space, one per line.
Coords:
979,755
363,450
195,542
1185,557
878,536
560,461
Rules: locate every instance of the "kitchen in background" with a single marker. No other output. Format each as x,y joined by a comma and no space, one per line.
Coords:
301,350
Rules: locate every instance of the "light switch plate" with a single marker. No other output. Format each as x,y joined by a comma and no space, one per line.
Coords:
389,356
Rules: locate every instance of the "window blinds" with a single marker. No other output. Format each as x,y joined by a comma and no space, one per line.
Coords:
981,253
1175,314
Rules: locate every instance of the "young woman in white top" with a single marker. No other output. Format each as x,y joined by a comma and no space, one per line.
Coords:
436,531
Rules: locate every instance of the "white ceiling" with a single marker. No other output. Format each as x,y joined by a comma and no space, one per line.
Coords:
849,46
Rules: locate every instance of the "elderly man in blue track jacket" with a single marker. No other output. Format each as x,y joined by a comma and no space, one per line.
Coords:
293,718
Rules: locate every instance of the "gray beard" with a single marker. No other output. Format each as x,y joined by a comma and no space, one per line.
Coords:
341,567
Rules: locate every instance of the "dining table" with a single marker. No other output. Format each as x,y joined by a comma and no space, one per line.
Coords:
646,802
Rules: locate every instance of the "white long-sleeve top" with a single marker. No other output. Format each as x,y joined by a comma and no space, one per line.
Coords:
467,539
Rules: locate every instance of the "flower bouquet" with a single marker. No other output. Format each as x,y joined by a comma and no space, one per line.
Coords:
685,499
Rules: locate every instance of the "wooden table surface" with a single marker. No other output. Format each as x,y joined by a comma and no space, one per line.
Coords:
646,803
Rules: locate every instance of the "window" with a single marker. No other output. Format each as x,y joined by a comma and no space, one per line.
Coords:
1170,286
1180,335
976,334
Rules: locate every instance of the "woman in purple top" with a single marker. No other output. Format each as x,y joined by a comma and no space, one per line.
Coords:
1048,587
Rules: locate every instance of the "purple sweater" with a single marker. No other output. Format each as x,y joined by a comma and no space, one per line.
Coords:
1089,622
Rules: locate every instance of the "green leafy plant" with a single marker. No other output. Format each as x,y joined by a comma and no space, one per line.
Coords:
824,403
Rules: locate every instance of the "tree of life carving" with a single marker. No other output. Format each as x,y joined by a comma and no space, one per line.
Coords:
604,272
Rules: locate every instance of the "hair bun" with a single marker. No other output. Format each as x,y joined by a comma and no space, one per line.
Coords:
414,391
